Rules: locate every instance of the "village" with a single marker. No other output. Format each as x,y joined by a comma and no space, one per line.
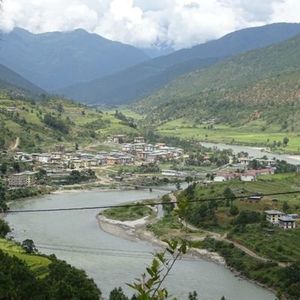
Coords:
57,167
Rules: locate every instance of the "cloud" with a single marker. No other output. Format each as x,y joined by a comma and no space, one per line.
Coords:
177,23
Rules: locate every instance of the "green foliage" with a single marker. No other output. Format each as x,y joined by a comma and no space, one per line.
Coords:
234,211
80,176
150,285
67,282
28,276
4,228
284,167
117,294
167,206
17,281
56,123
248,217
29,246
285,280
128,213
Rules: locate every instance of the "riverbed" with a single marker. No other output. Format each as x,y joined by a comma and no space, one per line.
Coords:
111,261
256,152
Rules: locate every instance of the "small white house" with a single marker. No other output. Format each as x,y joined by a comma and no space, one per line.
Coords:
286,222
247,177
273,216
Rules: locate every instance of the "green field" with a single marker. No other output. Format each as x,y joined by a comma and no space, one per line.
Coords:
86,126
128,213
38,264
255,133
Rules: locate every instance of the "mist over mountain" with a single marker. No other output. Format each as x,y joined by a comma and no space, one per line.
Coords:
57,59
143,79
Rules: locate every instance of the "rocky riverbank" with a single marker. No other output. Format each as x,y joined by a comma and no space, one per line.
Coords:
137,230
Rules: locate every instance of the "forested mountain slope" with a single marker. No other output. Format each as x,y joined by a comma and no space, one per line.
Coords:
143,79
10,80
263,82
57,59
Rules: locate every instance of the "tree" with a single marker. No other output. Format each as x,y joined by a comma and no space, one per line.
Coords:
167,207
193,296
4,168
229,196
117,294
285,141
3,205
234,211
28,246
4,229
189,179
285,206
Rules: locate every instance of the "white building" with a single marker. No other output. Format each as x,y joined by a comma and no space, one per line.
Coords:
273,216
24,179
286,222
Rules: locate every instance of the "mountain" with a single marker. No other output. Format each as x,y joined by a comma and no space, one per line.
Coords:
264,83
143,79
9,80
57,59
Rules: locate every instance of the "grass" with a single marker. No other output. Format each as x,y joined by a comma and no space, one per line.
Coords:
128,213
86,125
38,264
252,134
280,245
265,184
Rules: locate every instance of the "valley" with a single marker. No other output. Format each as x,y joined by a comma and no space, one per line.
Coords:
108,155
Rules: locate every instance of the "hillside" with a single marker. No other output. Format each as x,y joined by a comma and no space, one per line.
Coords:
141,80
10,80
57,59
264,78
34,126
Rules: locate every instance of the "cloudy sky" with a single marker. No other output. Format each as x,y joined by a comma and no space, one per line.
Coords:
144,23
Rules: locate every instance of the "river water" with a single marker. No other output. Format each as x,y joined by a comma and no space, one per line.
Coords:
255,152
111,261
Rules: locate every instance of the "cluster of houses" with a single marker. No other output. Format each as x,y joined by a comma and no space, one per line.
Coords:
247,175
241,170
285,221
151,153
59,164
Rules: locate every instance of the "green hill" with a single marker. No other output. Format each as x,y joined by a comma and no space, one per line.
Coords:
15,83
143,79
40,126
258,91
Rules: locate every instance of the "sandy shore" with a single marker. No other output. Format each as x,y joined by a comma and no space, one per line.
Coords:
137,230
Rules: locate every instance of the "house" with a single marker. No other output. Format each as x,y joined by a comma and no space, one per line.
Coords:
255,198
244,161
119,138
127,147
173,173
139,139
286,222
221,177
24,179
294,216
247,177
149,148
273,216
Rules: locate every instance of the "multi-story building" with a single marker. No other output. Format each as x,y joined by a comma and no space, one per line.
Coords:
24,179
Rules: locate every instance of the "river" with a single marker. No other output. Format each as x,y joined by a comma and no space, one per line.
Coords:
255,152
111,261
